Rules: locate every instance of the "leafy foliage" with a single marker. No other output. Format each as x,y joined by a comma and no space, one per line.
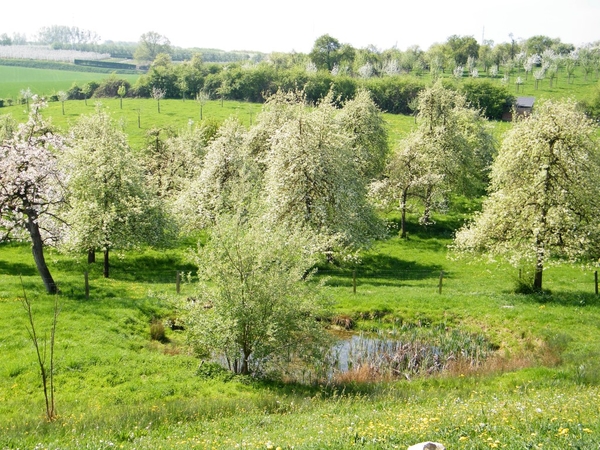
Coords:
255,306
493,100
544,192
109,205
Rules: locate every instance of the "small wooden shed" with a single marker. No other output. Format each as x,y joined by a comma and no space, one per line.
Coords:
523,106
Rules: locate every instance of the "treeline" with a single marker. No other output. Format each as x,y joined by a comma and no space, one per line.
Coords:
126,50
257,82
393,77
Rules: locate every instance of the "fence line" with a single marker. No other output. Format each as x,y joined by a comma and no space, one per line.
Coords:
440,279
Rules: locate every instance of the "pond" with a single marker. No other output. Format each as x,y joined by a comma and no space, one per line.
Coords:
409,351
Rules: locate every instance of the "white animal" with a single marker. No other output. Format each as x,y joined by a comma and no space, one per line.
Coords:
427,446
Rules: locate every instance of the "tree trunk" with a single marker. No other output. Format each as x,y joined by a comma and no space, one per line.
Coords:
426,219
245,369
37,249
403,214
106,265
539,272
91,256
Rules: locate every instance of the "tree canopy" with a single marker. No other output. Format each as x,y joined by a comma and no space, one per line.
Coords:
328,52
31,186
109,205
255,306
151,44
544,192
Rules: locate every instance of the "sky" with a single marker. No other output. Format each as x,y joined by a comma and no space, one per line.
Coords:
279,26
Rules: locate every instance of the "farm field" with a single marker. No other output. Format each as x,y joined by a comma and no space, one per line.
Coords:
44,82
117,387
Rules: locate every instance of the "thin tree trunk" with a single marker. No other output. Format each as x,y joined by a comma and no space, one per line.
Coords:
245,369
539,272
37,249
91,256
403,214
106,265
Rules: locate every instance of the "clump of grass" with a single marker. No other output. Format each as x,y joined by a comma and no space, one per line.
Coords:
343,321
157,331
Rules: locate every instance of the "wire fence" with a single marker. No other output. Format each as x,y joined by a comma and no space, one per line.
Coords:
431,281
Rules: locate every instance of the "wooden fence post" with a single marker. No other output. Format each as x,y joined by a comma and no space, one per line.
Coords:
87,285
178,282
441,281
354,281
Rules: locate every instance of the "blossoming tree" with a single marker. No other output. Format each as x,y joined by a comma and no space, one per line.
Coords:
31,187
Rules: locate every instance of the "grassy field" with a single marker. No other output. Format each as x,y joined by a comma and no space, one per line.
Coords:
44,81
176,114
118,388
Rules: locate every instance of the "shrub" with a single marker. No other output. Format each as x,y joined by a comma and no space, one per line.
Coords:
493,99
213,371
394,94
75,92
591,105
109,87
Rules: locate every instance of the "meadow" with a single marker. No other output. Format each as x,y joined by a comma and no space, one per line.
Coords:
116,387
44,82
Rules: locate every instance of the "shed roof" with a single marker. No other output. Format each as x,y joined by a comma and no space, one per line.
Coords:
525,102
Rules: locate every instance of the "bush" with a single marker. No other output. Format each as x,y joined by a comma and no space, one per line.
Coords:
491,98
591,105
75,92
213,371
394,94
89,88
109,87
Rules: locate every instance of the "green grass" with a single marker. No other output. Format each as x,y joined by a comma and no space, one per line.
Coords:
175,114
45,82
118,388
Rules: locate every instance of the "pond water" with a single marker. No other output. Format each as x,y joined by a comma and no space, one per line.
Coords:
423,351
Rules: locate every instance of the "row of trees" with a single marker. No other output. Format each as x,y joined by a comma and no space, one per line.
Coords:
299,174
295,188
330,55
195,79
331,65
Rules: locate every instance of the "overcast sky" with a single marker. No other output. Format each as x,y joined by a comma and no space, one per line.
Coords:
269,25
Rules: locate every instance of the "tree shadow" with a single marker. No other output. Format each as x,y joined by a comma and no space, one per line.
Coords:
445,227
381,270
570,299
16,268
141,268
